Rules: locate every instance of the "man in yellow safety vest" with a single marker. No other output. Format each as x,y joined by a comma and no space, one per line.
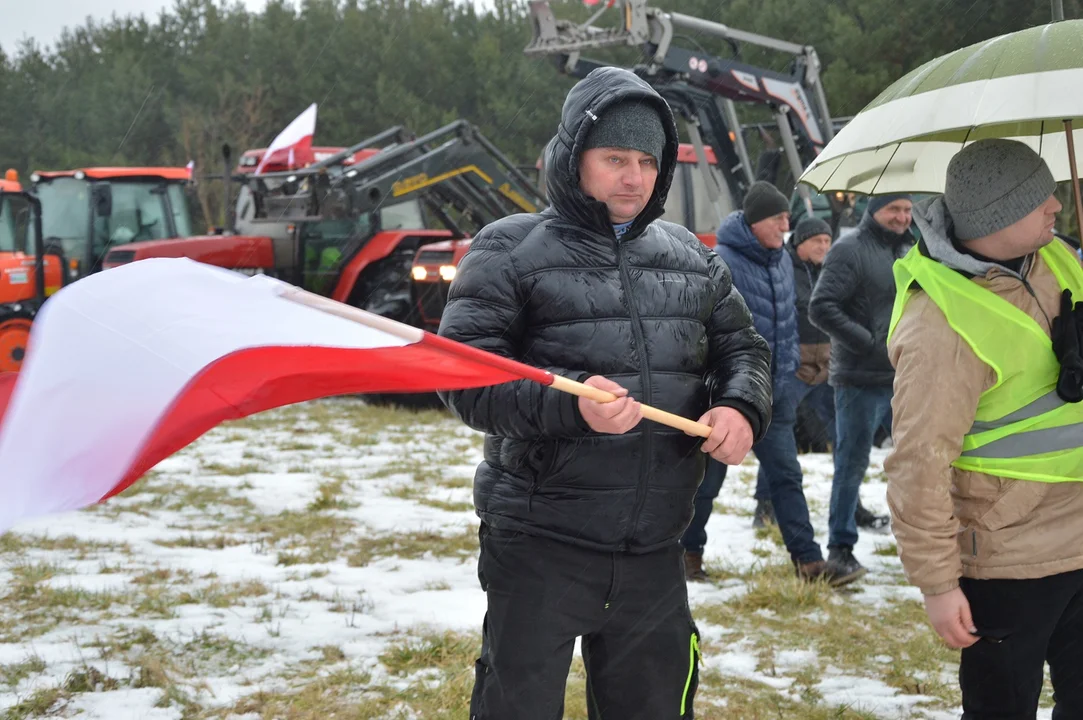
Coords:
984,479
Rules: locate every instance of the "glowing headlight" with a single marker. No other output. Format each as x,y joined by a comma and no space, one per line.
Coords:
419,273
447,272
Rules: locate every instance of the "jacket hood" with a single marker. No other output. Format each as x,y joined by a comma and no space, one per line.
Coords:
735,233
934,222
585,103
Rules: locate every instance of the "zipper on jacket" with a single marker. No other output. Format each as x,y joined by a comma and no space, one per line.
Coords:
644,376
536,485
1026,284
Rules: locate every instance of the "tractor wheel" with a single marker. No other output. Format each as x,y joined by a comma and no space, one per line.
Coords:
384,289
14,335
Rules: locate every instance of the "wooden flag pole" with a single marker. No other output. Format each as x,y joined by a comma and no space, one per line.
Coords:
651,413
413,334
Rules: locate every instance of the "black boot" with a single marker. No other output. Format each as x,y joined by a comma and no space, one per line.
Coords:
764,515
842,566
865,518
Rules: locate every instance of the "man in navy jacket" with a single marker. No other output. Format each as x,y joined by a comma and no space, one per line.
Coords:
751,241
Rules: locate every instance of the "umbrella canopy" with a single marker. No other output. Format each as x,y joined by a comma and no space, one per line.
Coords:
1022,86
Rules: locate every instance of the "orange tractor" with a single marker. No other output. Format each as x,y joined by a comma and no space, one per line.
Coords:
27,275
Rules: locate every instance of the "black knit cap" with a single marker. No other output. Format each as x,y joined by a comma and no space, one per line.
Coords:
809,227
763,201
630,124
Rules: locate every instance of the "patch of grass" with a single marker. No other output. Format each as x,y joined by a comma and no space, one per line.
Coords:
339,694
837,629
217,468
231,594
300,537
41,702
14,673
411,546
886,550
330,496
89,679
204,541
74,548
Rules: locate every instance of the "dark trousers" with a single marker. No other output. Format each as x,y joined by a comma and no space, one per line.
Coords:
1035,621
859,413
780,471
820,399
640,645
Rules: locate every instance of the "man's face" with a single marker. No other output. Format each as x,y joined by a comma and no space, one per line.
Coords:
621,178
771,232
895,216
814,250
1028,234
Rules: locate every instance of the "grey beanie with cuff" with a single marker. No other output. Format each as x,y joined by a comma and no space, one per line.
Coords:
994,183
630,124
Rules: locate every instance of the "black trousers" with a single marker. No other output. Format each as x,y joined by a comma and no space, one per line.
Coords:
1024,624
640,645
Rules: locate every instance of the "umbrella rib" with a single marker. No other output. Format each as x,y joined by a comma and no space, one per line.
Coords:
881,176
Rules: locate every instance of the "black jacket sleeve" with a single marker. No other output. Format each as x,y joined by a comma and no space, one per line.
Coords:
738,359
839,280
485,310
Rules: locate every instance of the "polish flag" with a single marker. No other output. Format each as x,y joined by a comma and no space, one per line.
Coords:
295,141
191,168
130,365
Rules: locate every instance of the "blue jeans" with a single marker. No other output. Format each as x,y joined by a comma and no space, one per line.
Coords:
859,412
821,400
780,473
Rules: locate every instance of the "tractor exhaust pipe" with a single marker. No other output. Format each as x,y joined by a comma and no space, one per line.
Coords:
227,169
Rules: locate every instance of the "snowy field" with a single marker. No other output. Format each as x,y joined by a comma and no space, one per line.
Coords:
319,561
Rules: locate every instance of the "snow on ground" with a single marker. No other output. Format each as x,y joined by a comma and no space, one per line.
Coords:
329,533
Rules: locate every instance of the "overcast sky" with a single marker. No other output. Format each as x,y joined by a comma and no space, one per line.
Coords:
43,20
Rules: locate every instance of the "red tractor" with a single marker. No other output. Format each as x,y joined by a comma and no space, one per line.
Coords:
348,226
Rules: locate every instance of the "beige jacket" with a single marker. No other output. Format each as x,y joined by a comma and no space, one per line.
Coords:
949,523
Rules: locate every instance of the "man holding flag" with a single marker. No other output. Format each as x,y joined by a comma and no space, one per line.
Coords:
583,503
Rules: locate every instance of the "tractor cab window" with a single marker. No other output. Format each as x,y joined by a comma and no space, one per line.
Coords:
65,213
14,224
404,215
138,215
327,245
182,213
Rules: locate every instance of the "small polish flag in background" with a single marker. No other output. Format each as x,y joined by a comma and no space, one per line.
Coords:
293,142
130,365
191,168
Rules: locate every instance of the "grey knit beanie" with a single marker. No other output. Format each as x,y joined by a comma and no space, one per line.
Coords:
762,201
994,183
631,124
810,226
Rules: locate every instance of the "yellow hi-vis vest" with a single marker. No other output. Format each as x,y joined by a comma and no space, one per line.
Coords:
1022,428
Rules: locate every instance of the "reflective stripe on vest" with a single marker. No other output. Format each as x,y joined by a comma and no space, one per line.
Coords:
1022,429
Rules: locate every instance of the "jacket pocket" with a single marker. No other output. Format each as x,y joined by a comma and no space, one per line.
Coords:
1015,501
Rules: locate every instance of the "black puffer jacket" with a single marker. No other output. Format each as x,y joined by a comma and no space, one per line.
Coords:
852,302
655,312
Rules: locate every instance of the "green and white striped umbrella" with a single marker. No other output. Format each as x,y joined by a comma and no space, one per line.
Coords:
1023,86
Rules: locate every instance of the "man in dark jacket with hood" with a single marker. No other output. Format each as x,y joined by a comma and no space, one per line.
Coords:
852,303
582,503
